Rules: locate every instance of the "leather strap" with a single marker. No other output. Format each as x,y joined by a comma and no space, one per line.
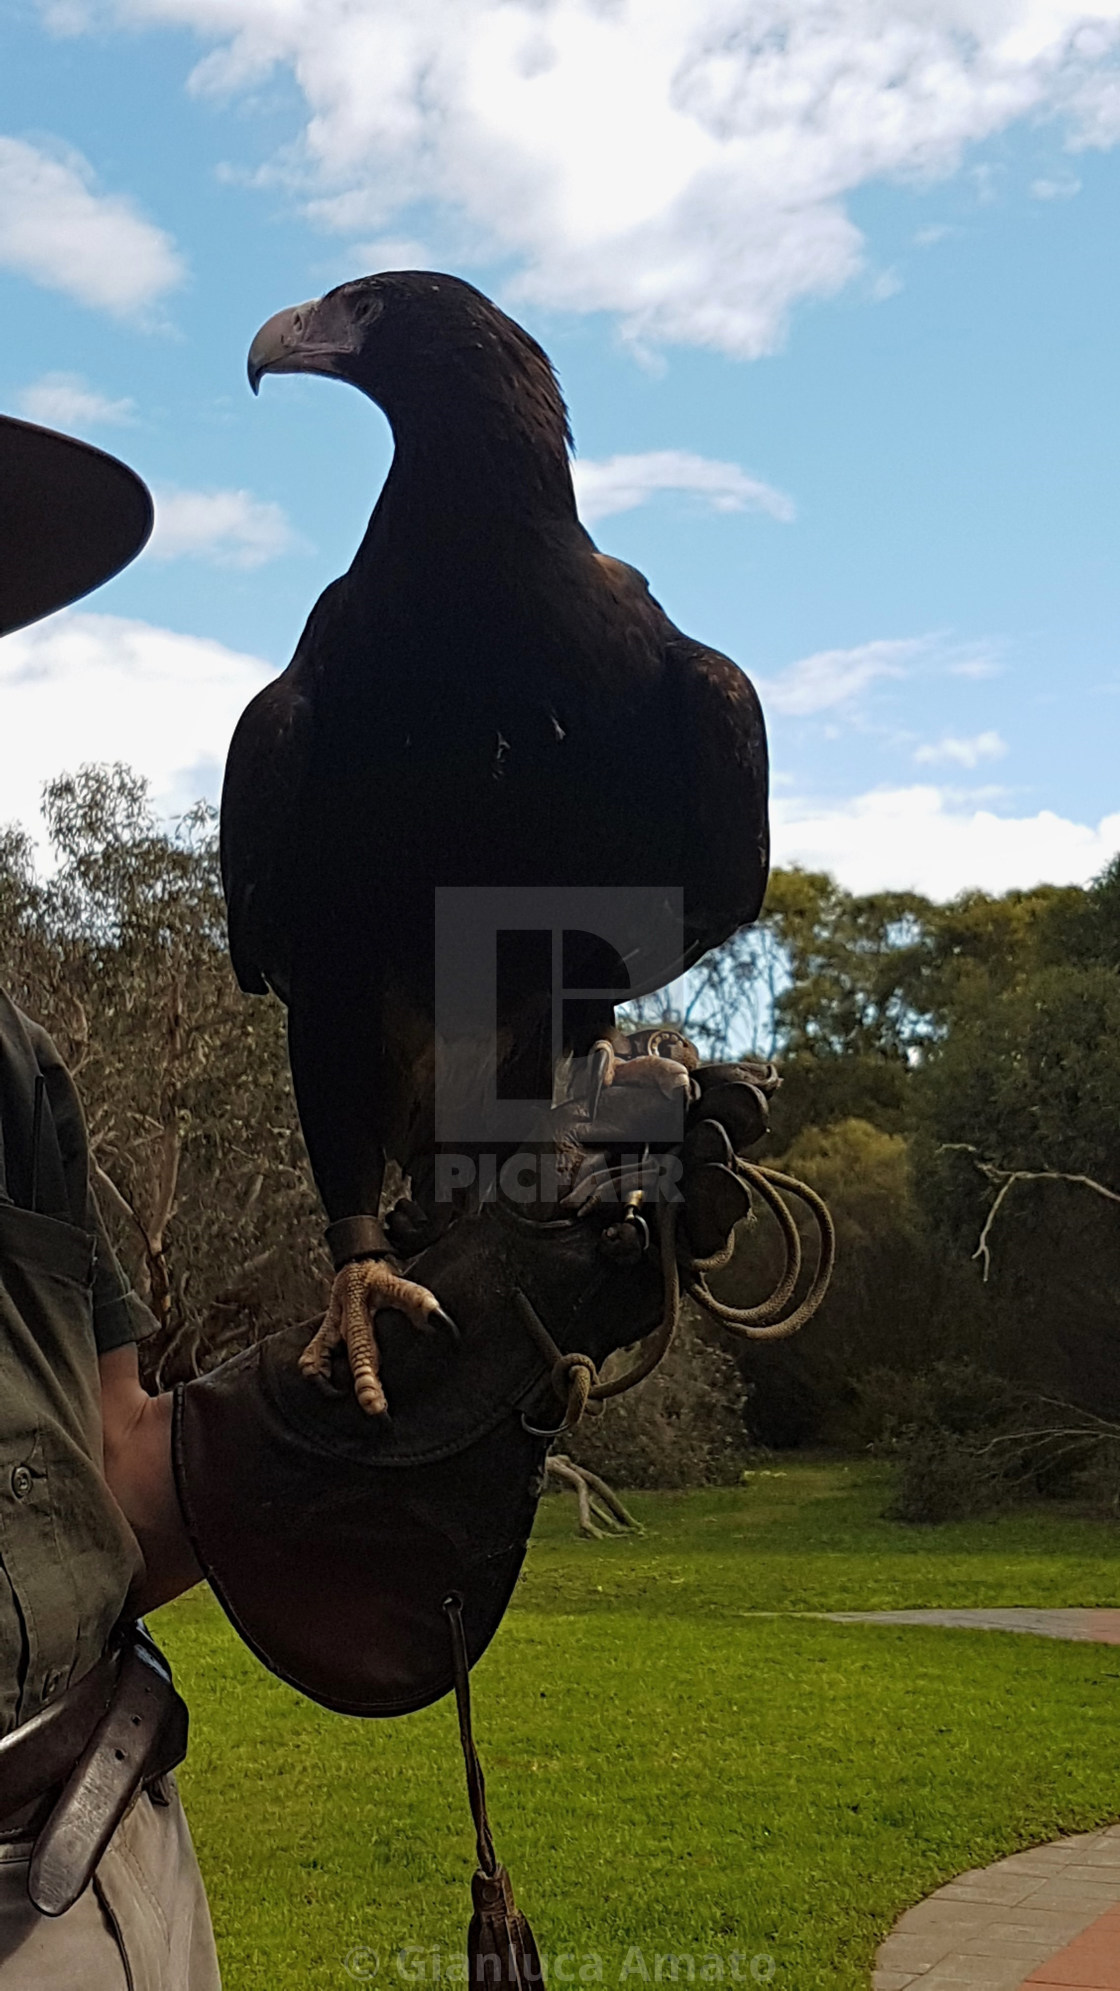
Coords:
45,1749
141,1735
356,1237
476,1784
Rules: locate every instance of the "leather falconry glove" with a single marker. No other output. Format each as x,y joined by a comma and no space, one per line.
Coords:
370,1562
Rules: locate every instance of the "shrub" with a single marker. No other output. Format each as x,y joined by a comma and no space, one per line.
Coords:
940,1476
956,1397
888,1303
1097,1482
964,1442
682,1427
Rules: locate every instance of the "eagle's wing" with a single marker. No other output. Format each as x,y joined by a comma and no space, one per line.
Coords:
728,821
266,773
716,737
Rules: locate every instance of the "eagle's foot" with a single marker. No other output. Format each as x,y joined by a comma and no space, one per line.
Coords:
362,1289
606,1068
411,1228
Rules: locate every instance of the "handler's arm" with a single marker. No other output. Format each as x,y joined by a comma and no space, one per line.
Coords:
137,1429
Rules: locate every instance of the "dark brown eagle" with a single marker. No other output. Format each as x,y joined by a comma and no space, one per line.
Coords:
483,700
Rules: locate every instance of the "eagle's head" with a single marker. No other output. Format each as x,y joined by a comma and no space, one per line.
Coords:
420,344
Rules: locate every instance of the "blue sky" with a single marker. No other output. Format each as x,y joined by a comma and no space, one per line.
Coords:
832,290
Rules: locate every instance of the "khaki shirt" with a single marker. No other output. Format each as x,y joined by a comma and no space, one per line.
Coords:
67,1554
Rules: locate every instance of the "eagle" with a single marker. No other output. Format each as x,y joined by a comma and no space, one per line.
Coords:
483,700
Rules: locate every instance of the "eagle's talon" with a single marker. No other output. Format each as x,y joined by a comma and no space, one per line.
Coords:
657,1068
324,1384
437,1318
410,1227
362,1289
600,1072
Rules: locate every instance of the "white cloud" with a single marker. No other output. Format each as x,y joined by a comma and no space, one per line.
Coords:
686,168
58,230
833,677
1055,189
962,752
975,667
621,483
395,252
67,401
83,687
230,528
928,840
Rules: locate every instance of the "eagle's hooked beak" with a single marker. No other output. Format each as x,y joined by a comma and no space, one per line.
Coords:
299,341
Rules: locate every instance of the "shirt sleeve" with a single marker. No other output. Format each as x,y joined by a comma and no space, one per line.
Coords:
119,1314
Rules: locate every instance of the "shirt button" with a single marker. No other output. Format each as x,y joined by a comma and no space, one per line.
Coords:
21,1482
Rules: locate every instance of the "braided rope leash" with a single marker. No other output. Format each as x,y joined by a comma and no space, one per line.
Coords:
768,1321
575,1378
501,1949
500,1943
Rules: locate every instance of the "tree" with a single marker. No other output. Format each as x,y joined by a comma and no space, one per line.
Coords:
200,1169
828,983
1025,1079
894,1302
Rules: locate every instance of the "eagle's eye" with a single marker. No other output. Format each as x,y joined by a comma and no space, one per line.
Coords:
368,308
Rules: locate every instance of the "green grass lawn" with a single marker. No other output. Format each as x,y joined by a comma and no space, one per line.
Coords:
671,1772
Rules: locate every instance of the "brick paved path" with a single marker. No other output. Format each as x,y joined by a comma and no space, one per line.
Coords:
1049,1918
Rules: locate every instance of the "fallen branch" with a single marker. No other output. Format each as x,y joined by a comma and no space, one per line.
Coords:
595,1500
1007,1178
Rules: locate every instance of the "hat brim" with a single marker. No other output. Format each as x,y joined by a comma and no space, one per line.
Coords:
70,518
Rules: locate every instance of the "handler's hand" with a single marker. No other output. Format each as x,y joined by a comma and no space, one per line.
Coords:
137,1437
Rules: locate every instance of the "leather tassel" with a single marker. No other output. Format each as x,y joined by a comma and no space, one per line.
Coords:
501,1948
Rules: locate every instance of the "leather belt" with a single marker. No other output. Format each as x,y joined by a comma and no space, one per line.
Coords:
70,1773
